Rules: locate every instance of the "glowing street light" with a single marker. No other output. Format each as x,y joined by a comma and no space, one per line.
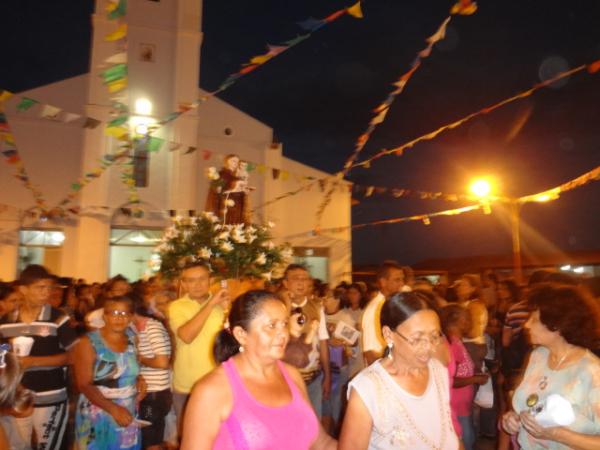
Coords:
481,188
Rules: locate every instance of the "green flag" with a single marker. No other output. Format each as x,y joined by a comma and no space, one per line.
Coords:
114,73
25,104
119,11
154,144
118,121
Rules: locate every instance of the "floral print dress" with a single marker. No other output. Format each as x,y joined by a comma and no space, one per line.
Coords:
115,375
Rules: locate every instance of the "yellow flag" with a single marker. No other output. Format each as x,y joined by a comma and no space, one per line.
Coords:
111,7
117,85
5,95
261,59
355,11
116,132
119,33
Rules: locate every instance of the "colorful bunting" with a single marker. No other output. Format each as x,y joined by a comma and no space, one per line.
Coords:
118,34
310,25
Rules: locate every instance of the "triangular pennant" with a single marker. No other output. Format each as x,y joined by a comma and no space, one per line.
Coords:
117,132
154,144
311,24
594,67
119,33
114,73
248,69
174,146
50,112
379,118
5,95
275,173
297,40
276,49
70,117
261,168
250,167
355,11
118,11
206,154
190,150
25,104
261,59
118,121
322,185
117,85
284,175
464,7
91,123
117,58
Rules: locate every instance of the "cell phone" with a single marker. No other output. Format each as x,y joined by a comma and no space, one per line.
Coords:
223,284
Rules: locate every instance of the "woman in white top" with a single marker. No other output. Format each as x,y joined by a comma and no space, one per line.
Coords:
402,400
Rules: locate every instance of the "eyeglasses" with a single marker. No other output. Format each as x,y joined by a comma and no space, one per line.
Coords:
301,319
117,313
421,342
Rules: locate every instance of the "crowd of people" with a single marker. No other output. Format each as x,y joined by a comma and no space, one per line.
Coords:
403,363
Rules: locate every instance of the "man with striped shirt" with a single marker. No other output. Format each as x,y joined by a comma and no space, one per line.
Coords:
154,348
45,364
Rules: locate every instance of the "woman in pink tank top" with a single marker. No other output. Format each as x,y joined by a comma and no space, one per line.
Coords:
253,401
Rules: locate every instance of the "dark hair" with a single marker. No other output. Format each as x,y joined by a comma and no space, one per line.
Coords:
363,298
195,263
428,297
120,299
386,267
6,289
12,395
561,278
400,307
569,311
592,284
243,310
292,267
539,276
513,288
33,273
450,314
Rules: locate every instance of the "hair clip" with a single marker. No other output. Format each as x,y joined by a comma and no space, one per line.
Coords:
4,348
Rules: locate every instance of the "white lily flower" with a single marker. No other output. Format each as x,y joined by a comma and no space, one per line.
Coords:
223,235
267,275
270,224
269,245
261,259
205,253
226,247
229,203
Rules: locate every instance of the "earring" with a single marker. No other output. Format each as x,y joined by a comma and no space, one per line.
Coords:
241,349
390,347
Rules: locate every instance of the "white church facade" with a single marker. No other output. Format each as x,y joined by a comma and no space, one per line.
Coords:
104,238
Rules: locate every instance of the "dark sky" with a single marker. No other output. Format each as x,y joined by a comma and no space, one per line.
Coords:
319,95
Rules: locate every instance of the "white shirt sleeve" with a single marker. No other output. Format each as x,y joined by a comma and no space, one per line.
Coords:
371,334
323,333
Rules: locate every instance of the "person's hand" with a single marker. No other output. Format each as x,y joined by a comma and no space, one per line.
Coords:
511,422
220,298
326,385
536,430
481,378
141,389
121,415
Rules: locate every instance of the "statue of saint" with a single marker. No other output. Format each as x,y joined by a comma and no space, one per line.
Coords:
228,194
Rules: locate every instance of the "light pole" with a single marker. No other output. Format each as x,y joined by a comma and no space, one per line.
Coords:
482,190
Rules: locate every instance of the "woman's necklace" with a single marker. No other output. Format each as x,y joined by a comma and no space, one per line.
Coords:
409,420
533,399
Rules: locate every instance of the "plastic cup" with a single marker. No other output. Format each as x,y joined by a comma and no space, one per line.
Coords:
22,345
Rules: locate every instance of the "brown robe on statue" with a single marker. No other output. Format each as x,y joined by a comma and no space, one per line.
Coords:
215,201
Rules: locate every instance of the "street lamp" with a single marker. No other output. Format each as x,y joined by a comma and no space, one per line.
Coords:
482,189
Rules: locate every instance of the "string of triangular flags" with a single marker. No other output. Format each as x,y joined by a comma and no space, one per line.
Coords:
309,25
591,68
398,151
544,196
463,7
11,153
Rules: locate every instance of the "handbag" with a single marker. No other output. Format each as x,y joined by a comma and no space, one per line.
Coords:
485,394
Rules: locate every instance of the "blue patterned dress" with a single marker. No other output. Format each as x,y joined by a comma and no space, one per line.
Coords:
115,375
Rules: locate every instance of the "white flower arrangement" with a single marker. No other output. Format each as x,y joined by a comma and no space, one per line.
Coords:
233,251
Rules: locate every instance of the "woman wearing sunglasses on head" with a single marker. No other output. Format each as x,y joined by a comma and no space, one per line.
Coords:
402,401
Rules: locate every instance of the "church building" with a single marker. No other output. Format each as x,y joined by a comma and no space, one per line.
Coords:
103,232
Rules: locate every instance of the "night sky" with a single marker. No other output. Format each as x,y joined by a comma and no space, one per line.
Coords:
319,95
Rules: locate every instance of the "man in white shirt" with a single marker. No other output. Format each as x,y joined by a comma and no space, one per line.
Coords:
390,279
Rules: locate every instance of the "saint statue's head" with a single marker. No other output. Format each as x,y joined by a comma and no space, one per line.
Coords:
231,162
